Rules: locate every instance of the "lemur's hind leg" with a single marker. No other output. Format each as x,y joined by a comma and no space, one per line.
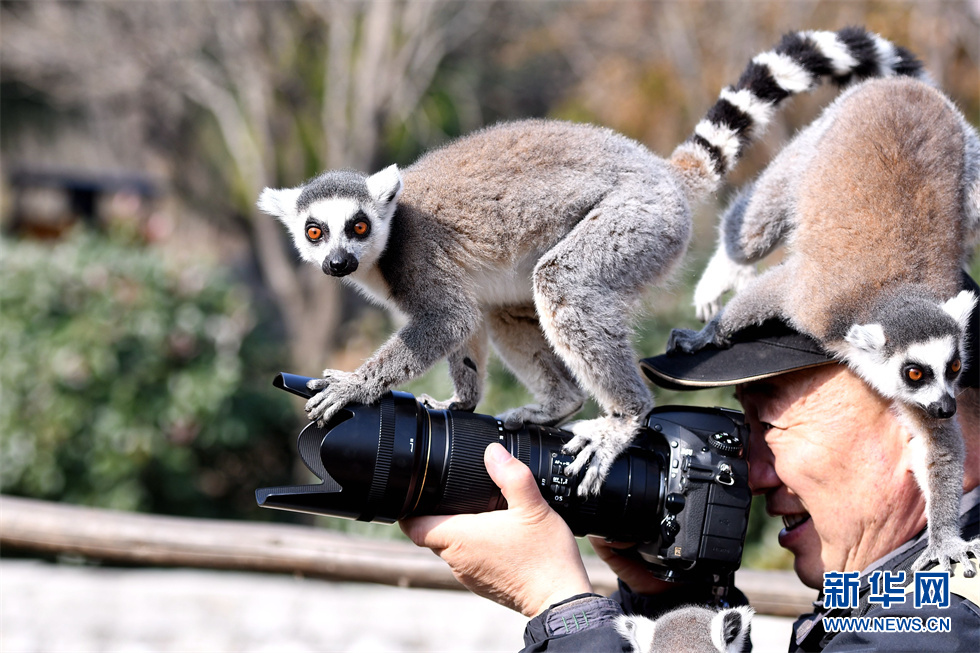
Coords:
764,298
468,371
971,194
728,269
585,290
757,221
593,338
939,472
516,335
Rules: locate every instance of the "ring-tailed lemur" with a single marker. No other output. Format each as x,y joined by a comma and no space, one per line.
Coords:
692,629
879,204
542,234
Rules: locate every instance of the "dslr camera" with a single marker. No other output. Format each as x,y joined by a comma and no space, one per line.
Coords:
680,491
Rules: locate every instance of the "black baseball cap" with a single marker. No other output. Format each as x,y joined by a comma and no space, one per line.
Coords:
773,348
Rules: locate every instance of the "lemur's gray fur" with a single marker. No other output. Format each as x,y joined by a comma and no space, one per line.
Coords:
692,629
541,235
879,204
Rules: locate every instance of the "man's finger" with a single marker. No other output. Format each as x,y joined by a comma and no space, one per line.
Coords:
516,483
515,480
426,531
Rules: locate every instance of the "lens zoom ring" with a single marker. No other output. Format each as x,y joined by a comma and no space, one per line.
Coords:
386,443
522,442
468,486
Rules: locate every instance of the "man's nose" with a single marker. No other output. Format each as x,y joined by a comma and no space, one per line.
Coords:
762,463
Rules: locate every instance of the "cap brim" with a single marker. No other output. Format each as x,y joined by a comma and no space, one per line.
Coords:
756,353
770,349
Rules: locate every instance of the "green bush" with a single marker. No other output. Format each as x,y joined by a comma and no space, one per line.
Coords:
132,383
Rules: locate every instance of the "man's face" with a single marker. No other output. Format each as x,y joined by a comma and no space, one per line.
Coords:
831,459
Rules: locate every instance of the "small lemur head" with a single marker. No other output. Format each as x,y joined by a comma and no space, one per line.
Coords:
340,220
690,628
914,353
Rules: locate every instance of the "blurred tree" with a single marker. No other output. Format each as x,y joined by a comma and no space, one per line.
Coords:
238,95
289,89
124,382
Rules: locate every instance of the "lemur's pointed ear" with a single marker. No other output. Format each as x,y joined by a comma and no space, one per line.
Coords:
385,186
867,338
279,202
638,631
730,629
961,307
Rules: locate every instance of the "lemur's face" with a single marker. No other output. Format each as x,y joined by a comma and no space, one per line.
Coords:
340,221
926,375
924,372
340,234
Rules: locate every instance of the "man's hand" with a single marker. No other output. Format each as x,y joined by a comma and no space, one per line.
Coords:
630,571
524,557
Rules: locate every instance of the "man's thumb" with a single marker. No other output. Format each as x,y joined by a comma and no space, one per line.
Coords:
514,478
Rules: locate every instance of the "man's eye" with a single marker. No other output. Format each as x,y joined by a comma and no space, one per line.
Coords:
766,426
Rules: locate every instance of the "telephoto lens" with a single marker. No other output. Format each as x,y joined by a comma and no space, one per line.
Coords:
680,488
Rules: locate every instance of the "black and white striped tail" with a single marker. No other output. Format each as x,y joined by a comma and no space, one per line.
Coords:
797,64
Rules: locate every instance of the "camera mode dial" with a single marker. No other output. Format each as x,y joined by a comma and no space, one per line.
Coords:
727,444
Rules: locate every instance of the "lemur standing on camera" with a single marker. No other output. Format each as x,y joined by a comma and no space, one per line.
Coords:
879,204
544,235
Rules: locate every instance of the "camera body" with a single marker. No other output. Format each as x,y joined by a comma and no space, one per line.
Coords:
704,514
680,490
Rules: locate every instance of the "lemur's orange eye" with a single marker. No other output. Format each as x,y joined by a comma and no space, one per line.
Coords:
314,233
955,366
914,374
360,228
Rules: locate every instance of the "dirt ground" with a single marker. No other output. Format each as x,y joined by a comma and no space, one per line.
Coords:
47,608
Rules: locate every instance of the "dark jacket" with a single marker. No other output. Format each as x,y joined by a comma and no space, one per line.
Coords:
810,634
585,622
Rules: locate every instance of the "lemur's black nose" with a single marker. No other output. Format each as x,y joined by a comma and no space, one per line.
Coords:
339,264
942,409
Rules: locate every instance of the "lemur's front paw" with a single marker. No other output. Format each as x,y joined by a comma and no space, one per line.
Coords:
688,341
451,404
337,389
596,444
683,340
949,552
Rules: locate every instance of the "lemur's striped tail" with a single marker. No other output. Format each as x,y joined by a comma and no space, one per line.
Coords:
796,65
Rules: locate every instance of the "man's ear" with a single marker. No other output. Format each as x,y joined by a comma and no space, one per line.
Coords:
961,307
279,202
385,186
867,338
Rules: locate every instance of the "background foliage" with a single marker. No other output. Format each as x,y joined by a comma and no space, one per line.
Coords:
131,384
135,365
